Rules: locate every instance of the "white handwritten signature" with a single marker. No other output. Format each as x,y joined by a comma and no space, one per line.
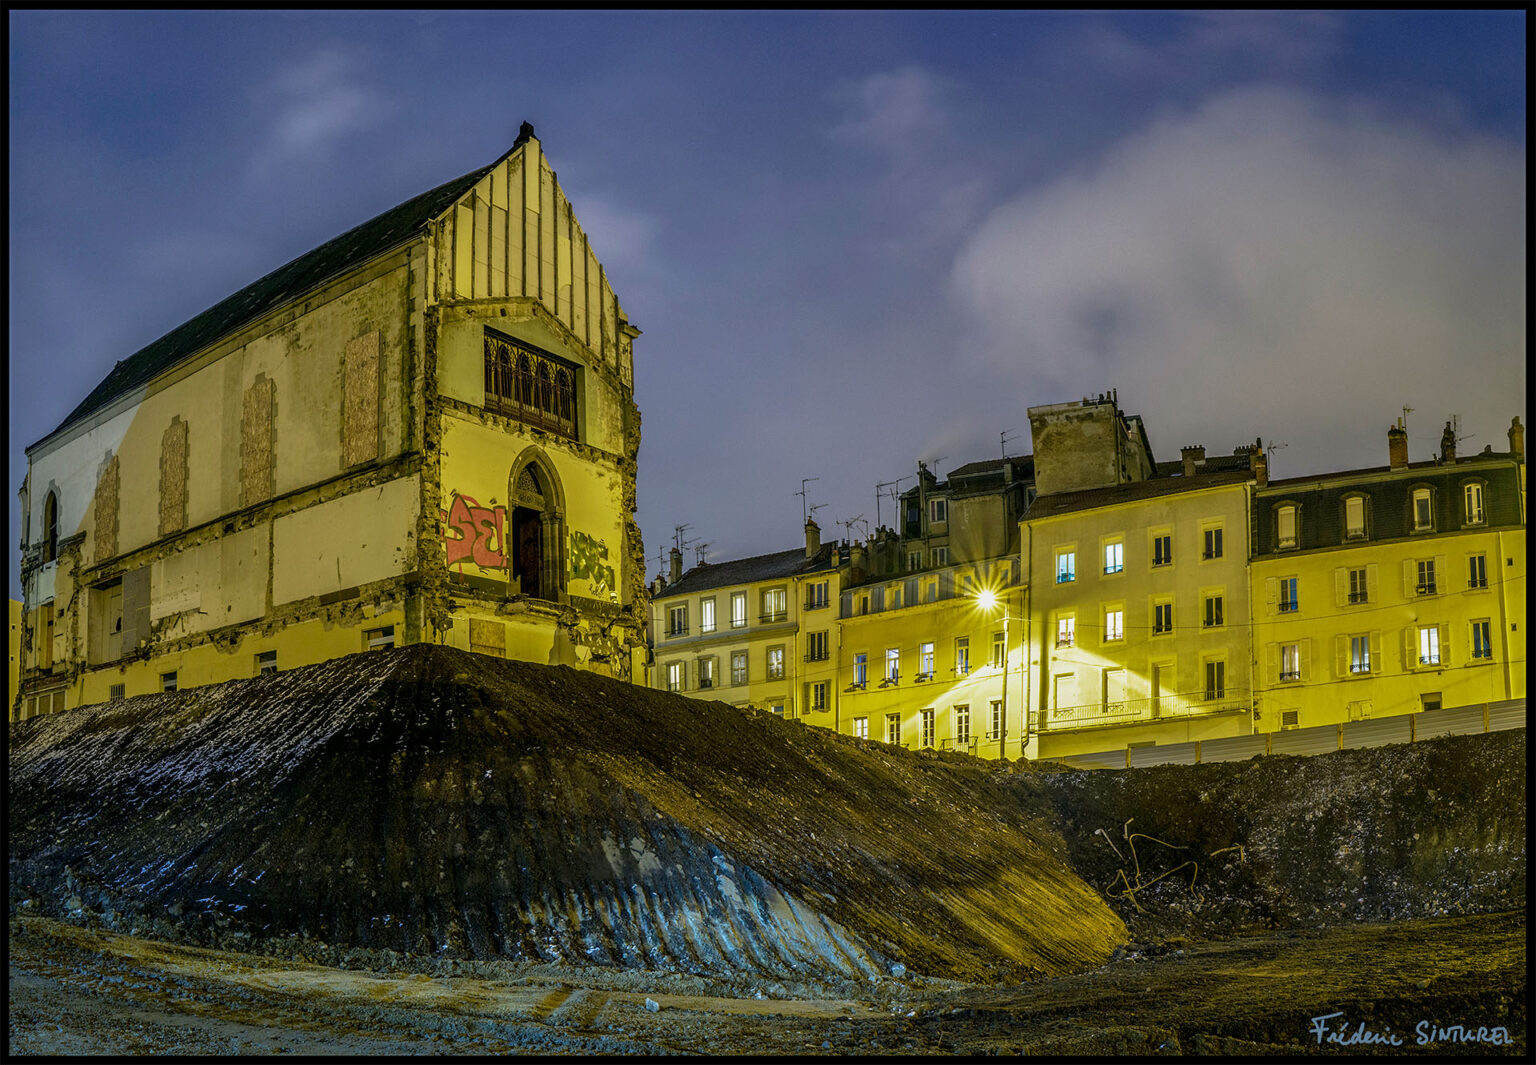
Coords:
1424,1033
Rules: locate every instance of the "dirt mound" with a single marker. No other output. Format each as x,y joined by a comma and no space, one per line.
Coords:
1391,833
448,805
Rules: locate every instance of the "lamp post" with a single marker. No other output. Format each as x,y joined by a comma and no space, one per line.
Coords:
986,599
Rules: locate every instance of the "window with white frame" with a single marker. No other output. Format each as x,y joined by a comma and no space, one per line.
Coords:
893,663
1358,590
1064,630
1472,496
941,556
1066,566
1114,624
962,655
1212,542
914,560
1423,510
861,728
1289,602
1482,643
674,676
962,726
266,662
1285,525
1214,604
998,650
738,668
1426,570
1360,654
1215,679
776,663
738,610
860,669
706,615
1114,556
1290,661
926,725
1354,517
925,659
893,729
1477,571
773,605
677,620
1429,645
938,511
706,671
996,719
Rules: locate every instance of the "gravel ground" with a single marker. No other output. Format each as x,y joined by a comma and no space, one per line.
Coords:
78,991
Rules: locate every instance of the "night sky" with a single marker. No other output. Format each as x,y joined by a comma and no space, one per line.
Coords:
851,240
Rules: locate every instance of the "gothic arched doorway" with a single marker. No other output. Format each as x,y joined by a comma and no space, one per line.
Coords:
536,530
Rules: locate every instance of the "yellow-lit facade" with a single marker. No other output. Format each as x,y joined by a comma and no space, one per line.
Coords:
421,431
758,632
1139,614
1389,591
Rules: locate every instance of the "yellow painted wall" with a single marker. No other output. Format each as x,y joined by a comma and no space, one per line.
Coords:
14,658
346,542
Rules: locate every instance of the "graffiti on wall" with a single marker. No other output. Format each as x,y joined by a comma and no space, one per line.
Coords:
589,562
478,535
474,533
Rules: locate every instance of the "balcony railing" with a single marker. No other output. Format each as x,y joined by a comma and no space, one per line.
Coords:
771,616
1131,711
1427,588
817,604
816,656
1478,582
1287,606
677,630
1290,674
1358,597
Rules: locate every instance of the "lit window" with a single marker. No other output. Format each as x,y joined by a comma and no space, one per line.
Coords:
1114,624
892,663
861,728
1290,661
1477,571
997,650
925,659
893,728
1212,543
1354,517
860,670
962,726
1066,566
1064,631
738,610
1215,680
1359,654
1482,645
962,654
1289,604
1473,493
1429,645
1285,526
1114,557
773,605
706,615
775,663
927,728
996,720
1423,513
1162,618
1162,549
674,676
266,662
706,671
1358,592
738,668
677,620
1213,611
1426,569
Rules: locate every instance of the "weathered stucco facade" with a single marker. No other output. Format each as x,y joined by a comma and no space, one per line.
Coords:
424,430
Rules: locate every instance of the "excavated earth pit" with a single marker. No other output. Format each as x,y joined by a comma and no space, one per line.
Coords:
426,811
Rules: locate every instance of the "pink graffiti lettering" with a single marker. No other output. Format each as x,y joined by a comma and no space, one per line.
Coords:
474,532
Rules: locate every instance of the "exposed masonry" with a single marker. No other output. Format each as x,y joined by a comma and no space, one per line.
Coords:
173,477
256,441
432,553
107,509
360,388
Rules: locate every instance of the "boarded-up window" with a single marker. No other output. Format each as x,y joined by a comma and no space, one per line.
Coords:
106,511
173,477
360,400
256,442
488,637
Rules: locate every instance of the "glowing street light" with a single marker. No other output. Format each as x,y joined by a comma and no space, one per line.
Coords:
987,600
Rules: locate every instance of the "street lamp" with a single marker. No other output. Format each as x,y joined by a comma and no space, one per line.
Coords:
987,599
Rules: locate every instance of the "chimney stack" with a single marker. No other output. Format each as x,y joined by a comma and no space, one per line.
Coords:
1448,444
856,563
1194,456
1258,461
677,566
1517,439
1397,446
812,538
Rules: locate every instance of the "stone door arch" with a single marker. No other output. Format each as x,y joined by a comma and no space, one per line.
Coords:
535,529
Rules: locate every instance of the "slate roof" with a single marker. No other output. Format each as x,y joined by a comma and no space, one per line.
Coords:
994,467
1066,502
286,283
748,570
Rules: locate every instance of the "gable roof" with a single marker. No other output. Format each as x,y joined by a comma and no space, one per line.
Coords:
286,283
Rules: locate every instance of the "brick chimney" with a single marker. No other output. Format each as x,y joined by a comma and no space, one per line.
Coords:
1258,462
856,563
1517,439
677,566
1194,457
1448,444
1397,446
812,539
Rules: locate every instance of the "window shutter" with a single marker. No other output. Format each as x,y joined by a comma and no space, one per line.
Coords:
1272,593
1410,577
1370,581
1306,659
1340,656
1410,648
1376,663
1340,587
1442,575
1445,644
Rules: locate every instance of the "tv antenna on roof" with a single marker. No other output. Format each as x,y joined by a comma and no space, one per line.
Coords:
698,553
804,517
1456,429
814,509
849,524
893,486
1002,439
677,537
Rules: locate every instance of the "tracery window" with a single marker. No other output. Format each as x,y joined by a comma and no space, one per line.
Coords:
529,385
